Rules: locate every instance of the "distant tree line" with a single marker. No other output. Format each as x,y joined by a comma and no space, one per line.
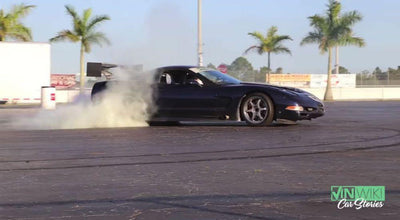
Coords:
243,70
378,77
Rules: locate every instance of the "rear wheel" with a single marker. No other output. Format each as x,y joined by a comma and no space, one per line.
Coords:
97,98
257,110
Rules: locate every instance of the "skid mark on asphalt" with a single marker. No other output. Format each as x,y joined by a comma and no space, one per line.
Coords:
208,160
397,134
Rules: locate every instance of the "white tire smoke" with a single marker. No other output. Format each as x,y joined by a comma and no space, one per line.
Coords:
127,102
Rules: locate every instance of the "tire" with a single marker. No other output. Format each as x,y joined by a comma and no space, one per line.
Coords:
97,98
97,92
257,109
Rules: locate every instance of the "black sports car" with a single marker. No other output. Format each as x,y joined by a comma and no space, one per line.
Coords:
190,92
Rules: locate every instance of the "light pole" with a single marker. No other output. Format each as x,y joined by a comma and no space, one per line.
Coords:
199,40
337,55
337,60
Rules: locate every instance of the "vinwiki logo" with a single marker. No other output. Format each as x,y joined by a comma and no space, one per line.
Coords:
358,196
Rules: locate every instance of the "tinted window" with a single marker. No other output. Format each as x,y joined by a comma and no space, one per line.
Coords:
215,76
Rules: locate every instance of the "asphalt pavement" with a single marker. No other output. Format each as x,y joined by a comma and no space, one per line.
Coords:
202,170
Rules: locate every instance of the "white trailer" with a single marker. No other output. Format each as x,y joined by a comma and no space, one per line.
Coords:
24,69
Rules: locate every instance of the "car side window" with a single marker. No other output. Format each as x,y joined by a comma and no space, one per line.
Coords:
190,79
166,79
172,78
179,78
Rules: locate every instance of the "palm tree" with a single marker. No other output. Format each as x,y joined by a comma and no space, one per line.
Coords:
331,30
84,31
271,43
11,26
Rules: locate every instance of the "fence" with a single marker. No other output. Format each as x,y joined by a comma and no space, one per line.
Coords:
374,82
359,93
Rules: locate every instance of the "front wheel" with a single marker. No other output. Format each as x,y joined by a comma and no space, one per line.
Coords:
257,110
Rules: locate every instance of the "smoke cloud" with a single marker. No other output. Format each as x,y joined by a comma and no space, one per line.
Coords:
127,102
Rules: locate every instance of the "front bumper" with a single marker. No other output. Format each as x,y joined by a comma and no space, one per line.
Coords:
307,114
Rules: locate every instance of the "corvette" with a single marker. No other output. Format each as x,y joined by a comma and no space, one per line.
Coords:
190,93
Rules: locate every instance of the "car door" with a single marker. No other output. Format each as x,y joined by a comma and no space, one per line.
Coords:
178,98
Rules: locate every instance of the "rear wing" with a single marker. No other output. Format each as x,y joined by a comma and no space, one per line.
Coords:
103,69
99,69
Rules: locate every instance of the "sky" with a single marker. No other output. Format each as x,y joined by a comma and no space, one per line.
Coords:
164,32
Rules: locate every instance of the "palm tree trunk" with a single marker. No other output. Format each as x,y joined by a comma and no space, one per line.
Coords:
269,67
328,92
82,76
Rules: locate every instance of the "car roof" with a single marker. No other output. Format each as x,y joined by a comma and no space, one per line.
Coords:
166,68
176,67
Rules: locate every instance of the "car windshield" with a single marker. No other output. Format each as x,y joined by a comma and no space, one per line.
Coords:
216,76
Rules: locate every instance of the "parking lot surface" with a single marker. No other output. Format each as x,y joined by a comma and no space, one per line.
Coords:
202,170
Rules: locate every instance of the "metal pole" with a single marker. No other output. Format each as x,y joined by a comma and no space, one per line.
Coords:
337,60
337,55
387,78
362,78
200,43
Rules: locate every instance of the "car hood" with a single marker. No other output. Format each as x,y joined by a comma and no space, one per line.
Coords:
284,89
296,90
